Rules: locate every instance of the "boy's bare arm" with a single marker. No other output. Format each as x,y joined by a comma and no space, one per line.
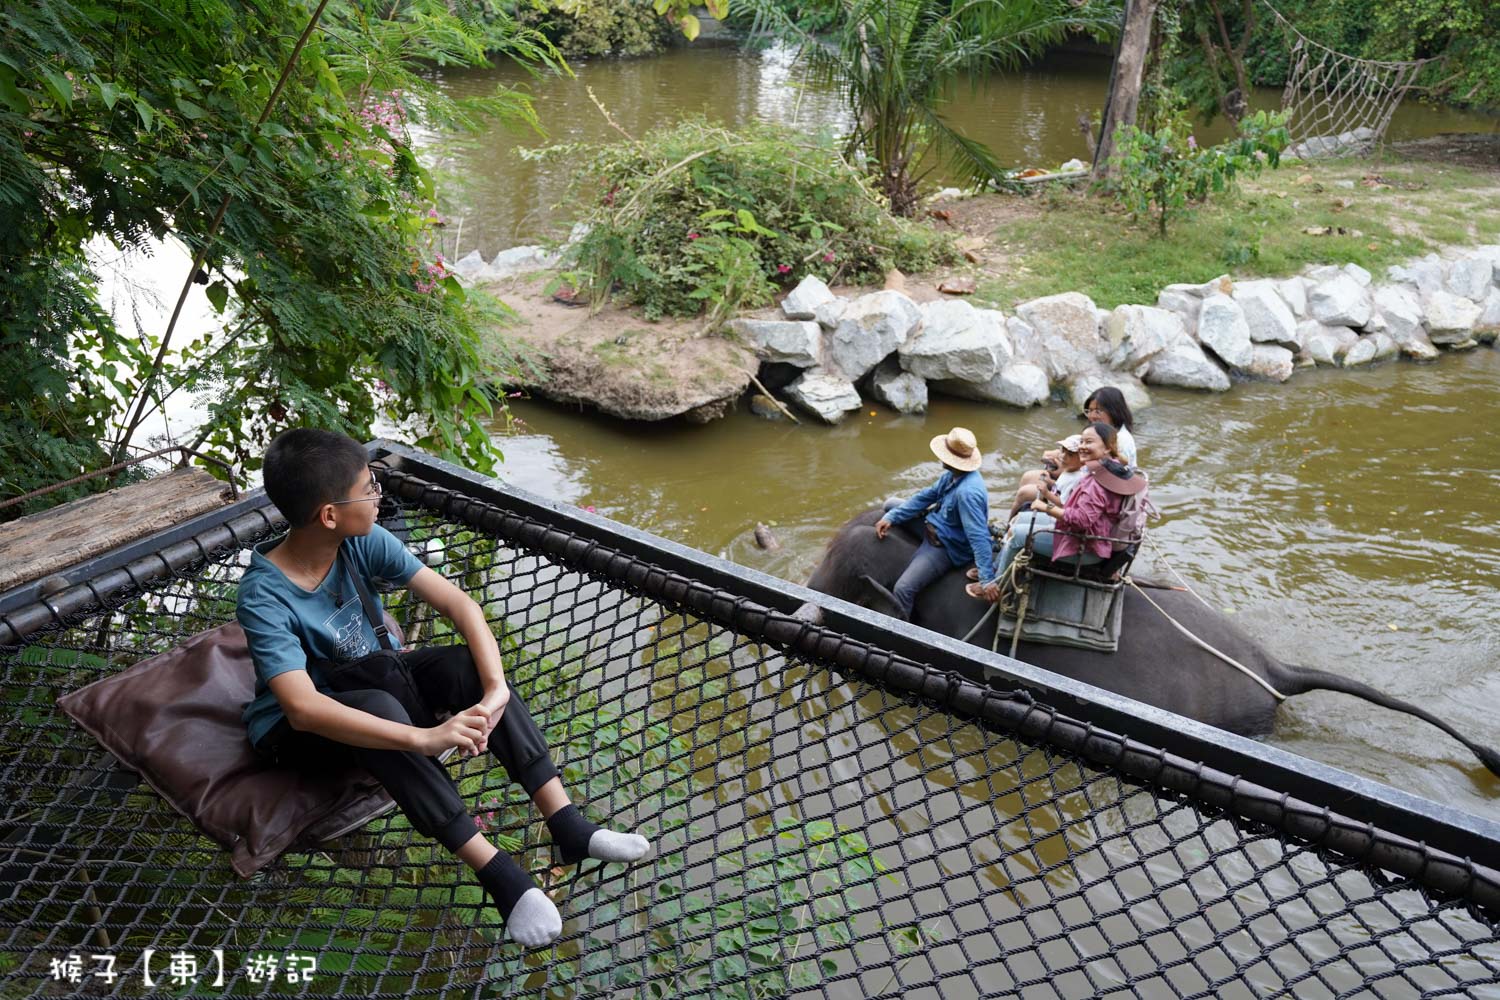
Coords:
468,617
309,710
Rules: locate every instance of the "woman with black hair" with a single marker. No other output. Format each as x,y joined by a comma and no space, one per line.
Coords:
1106,404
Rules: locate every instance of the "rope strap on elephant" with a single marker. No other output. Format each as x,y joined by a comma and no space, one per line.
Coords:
831,820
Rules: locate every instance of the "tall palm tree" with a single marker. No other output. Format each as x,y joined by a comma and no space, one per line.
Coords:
893,61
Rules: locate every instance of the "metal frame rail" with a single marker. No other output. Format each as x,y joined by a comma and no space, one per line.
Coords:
1363,820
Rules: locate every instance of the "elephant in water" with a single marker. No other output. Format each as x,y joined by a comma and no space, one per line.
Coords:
1155,663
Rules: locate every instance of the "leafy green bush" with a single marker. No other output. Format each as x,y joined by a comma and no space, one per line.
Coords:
699,216
598,27
1161,171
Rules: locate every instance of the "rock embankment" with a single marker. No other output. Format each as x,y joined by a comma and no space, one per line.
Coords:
828,353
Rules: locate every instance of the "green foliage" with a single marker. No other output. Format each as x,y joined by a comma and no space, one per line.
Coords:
1161,171
598,27
697,217
810,16
290,173
894,60
1463,35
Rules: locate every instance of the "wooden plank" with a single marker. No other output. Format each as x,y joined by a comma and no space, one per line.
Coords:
50,541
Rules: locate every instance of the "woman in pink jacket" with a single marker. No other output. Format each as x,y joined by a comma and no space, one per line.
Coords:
1092,507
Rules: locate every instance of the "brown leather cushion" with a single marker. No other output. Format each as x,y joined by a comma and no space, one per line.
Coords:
175,719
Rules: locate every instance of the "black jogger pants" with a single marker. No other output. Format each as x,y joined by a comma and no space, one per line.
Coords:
446,681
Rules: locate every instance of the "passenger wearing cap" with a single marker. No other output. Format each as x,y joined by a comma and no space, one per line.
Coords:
1061,468
1091,508
1070,471
957,530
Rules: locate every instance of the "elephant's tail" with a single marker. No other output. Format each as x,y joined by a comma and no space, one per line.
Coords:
1293,679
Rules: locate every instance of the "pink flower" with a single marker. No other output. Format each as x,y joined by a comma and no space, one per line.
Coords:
590,509
783,268
692,236
1192,143
828,257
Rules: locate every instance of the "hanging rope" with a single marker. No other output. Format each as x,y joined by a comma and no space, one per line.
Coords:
1329,93
1236,664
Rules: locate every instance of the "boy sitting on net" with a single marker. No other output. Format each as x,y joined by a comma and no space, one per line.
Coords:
300,606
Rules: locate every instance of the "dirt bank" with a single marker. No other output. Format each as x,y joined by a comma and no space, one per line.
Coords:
620,363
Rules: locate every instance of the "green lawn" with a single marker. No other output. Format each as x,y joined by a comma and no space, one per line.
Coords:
1080,242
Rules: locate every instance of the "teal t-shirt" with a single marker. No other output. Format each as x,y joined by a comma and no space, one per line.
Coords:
287,626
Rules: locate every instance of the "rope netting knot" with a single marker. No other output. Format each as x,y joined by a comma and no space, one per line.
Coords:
1334,94
830,820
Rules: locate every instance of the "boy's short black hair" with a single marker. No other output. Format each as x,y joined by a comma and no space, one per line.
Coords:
306,468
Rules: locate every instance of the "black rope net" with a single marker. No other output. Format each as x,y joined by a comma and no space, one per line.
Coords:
819,834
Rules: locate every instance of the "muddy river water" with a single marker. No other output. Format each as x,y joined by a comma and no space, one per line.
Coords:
1350,520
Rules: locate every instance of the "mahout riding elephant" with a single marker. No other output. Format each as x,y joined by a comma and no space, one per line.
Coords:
1155,662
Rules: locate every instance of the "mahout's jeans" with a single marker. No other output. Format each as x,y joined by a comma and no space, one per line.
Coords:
927,564
446,681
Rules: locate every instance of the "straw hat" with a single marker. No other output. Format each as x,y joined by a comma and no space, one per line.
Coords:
957,449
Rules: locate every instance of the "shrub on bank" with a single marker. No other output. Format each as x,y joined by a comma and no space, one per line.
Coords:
596,27
1162,171
699,217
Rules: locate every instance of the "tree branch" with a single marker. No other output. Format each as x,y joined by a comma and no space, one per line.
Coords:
201,254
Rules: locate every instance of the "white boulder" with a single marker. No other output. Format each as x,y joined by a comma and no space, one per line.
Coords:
518,260
1184,364
1018,384
1425,275
802,302
792,342
1385,347
871,327
1470,278
1185,305
1024,342
1138,333
1266,313
1339,301
1272,362
1223,330
1222,285
468,266
1325,345
900,390
826,395
957,341
1293,292
1359,274
1401,311
1084,386
1489,313
829,313
1069,333
1362,353
1450,319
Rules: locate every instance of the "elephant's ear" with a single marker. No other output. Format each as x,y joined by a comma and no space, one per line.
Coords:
874,596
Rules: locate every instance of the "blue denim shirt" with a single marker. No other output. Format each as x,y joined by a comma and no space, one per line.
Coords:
961,520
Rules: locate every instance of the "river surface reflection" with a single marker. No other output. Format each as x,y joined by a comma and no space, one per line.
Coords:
1350,520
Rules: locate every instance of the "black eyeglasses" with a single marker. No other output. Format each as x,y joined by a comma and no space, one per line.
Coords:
373,493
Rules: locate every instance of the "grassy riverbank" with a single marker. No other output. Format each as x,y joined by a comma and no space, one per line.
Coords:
1374,212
